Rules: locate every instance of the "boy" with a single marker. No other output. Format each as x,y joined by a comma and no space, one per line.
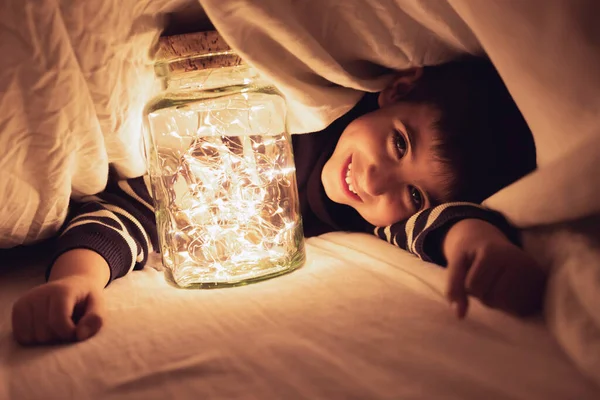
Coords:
435,135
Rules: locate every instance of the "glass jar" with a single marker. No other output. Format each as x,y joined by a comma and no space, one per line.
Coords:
222,170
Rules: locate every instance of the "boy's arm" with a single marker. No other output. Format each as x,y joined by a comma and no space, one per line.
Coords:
484,264
423,233
480,250
106,236
118,224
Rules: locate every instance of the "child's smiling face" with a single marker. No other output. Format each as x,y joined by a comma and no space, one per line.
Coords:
384,166
450,132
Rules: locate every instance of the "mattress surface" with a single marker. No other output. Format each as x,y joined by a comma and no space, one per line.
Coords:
361,319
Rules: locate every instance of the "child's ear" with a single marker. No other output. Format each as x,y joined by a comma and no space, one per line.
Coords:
403,82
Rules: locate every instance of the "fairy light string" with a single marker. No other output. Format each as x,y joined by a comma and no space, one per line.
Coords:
230,194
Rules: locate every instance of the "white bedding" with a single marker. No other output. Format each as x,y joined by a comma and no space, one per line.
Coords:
74,77
361,320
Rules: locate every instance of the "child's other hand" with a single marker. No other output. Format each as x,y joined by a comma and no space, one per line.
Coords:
69,307
483,263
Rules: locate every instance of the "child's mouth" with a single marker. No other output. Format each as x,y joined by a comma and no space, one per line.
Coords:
348,179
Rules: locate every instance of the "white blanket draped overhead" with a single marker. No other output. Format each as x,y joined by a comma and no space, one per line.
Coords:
74,77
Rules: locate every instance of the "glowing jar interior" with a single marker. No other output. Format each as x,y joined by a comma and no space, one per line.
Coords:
223,179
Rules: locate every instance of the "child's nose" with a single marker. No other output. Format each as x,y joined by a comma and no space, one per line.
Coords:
378,180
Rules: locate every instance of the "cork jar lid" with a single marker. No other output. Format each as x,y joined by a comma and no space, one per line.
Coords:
195,51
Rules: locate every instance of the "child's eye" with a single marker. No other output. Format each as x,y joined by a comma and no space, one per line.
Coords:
400,144
416,197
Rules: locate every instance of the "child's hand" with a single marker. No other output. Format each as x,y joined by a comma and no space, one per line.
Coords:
67,308
483,263
63,310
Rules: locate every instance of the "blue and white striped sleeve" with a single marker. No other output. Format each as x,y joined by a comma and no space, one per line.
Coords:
118,224
423,233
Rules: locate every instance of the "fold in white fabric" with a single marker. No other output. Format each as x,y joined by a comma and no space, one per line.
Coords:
74,77
323,55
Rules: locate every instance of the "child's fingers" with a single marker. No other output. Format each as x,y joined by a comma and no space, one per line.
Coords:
59,317
456,292
461,307
91,321
22,322
484,274
43,333
88,326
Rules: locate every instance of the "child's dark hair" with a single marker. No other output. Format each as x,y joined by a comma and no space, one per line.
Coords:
481,135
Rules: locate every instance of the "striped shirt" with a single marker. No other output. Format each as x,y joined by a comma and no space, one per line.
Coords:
119,224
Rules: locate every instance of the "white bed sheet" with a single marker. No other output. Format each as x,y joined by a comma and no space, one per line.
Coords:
361,320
